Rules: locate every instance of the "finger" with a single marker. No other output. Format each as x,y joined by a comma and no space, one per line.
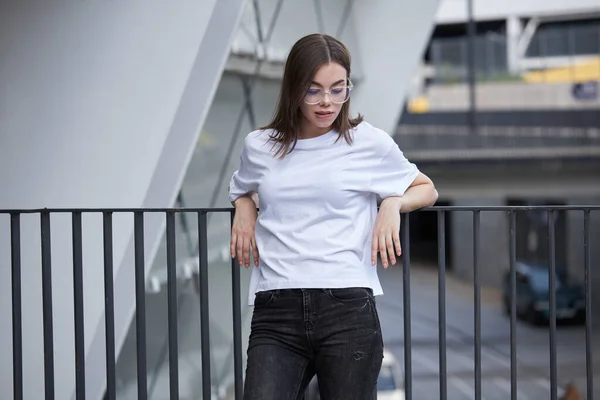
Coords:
232,245
374,251
255,252
390,248
246,252
239,246
396,238
383,251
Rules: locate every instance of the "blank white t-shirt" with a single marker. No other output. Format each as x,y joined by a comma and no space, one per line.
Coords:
318,206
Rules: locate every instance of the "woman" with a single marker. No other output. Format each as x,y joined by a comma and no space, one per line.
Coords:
316,173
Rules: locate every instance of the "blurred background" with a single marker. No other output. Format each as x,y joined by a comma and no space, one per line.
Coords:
146,104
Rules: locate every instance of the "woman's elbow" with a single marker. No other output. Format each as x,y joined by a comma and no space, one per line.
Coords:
433,197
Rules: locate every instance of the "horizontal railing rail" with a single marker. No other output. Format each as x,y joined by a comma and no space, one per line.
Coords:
139,263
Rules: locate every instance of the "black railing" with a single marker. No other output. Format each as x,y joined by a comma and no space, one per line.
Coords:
202,214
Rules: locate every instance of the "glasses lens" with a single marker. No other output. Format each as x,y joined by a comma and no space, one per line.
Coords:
340,94
313,95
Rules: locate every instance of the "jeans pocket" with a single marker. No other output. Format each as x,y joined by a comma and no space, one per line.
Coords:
264,298
346,295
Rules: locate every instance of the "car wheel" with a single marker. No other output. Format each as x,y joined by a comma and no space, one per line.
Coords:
312,392
580,318
534,317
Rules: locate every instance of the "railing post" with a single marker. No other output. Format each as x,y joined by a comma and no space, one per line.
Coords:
237,325
172,306
588,305
442,303
78,305
17,327
513,305
109,308
477,303
140,305
552,272
204,309
47,305
406,302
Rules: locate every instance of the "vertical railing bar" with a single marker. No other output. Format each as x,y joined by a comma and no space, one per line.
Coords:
109,308
140,305
17,327
172,306
477,303
204,310
237,325
442,303
78,305
47,305
552,272
588,306
513,304
406,302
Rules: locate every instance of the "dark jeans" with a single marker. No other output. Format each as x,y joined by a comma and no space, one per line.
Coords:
297,333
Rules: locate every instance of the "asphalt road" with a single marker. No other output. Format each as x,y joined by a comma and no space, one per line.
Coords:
533,354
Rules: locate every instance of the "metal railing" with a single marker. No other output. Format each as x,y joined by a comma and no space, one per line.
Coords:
140,306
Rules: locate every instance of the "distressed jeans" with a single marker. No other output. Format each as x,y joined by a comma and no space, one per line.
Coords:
297,333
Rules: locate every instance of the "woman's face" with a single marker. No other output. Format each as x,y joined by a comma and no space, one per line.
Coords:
329,78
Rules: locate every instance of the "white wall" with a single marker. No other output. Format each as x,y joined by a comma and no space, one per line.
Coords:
100,103
454,11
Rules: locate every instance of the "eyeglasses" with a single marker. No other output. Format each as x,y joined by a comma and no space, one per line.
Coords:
338,94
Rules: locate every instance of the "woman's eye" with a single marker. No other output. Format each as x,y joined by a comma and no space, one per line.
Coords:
339,90
313,92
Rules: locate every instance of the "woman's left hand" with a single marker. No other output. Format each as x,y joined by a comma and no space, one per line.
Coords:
386,233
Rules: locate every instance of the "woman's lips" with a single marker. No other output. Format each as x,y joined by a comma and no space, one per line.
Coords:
324,114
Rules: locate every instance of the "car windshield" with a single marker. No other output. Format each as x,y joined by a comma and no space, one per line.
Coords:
540,281
386,380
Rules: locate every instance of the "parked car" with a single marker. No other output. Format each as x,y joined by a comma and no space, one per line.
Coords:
533,295
389,383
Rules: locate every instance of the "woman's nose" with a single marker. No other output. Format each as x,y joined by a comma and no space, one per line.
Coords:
326,99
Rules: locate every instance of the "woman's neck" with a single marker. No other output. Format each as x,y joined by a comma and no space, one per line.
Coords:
309,131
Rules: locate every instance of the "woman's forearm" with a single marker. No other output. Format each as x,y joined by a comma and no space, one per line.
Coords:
415,197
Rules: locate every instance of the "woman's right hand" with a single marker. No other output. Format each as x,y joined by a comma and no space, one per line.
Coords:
242,231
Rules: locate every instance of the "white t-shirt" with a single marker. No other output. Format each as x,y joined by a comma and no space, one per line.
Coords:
318,206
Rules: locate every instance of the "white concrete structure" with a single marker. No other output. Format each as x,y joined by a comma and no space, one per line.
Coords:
384,59
101,105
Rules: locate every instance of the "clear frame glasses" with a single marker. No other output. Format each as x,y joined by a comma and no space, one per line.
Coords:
338,94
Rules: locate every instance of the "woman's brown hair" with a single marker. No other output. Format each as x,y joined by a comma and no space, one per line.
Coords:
306,56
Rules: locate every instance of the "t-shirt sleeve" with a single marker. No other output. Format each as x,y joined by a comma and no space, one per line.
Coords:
393,174
245,180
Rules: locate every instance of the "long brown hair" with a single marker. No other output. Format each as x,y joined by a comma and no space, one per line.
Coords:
306,56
